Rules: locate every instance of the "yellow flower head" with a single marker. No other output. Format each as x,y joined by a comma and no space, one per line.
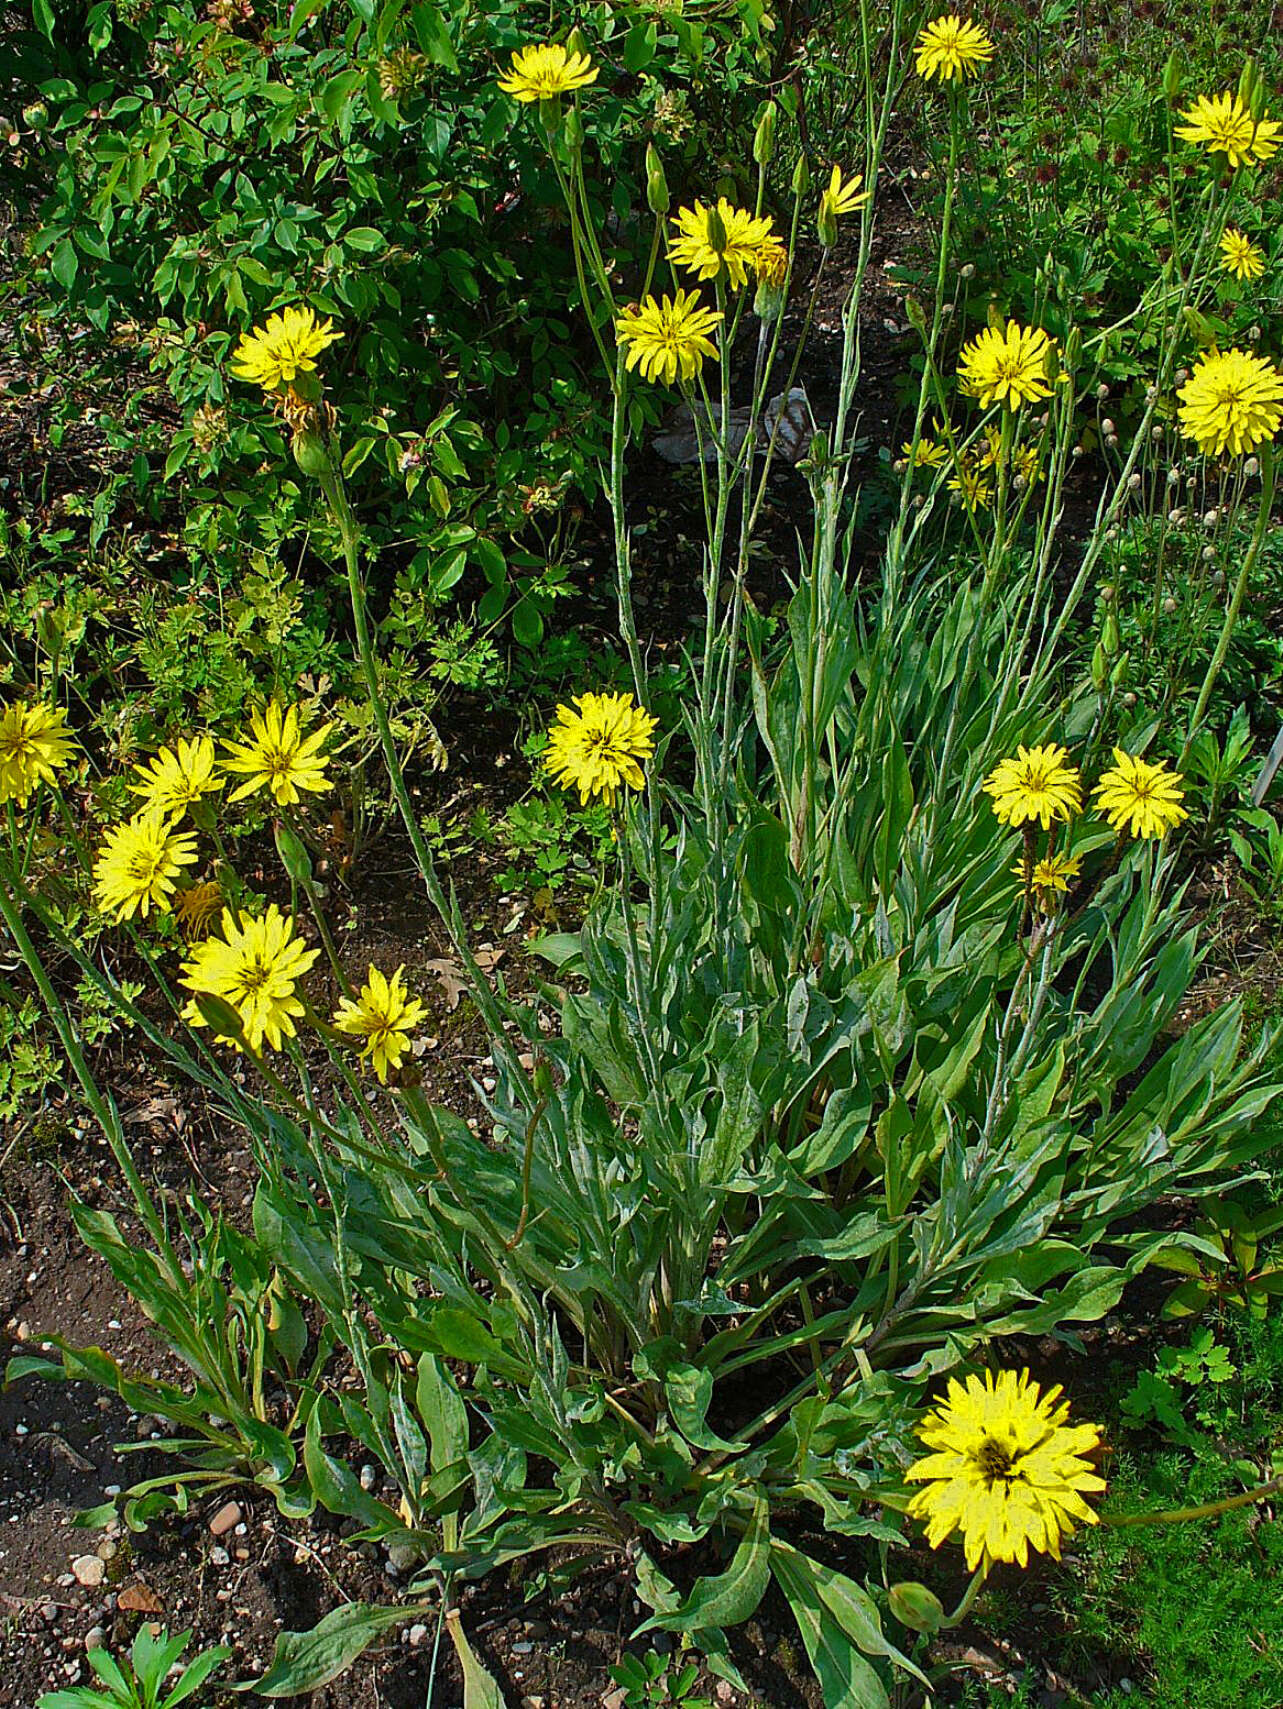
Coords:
926,454
1145,799
668,340
1037,784
255,966
273,356
1005,1469
772,261
722,241
836,199
35,745
600,747
1007,364
138,863
197,907
971,483
279,756
952,49
178,777
1231,402
1051,877
1224,125
384,1017
541,72
1240,256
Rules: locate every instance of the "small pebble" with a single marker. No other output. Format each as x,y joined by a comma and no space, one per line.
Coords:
218,1557
95,1637
522,1649
418,1634
89,1570
228,1516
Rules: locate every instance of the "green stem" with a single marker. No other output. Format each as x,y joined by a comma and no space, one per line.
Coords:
1236,601
1208,1509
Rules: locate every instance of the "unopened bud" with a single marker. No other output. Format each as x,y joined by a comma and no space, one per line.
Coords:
1099,667
1170,605
764,136
1107,426
1155,433
310,454
1211,518
716,231
1209,554
1252,467
968,271
573,130
801,176
1133,482
917,1607
826,223
916,317
657,197
1102,391
1218,578
1110,639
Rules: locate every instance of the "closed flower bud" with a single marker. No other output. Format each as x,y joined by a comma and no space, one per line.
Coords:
1133,482
1110,638
657,197
1252,467
917,1607
1099,667
1102,391
826,223
916,318
310,454
968,272
801,176
573,130
1073,348
1172,73
764,136
1107,426
1170,605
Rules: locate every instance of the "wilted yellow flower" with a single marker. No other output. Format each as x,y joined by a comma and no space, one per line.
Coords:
1037,784
273,356
178,777
255,966
402,73
1051,876
1224,125
1007,364
384,1016
540,72
278,756
35,745
1006,1470
1145,799
1232,402
669,339
138,863
197,907
1240,256
722,241
772,260
952,48
600,747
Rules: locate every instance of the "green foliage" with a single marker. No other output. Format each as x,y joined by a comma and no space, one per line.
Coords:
142,1681
654,1681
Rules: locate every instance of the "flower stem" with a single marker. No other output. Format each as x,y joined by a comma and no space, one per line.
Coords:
1207,1510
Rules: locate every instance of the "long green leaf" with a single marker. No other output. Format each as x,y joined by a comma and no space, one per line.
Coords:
730,1597
303,1661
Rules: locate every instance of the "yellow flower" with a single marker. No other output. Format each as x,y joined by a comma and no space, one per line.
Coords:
1037,784
384,1016
274,355
138,863
1007,364
668,339
601,746
970,482
197,907
1024,458
279,756
1240,256
1224,123
255,967
772,261
35,745
1231,402
952,49
541,72
1006,1470
836,199
1145,799
1051,876
718,242
927,454
178,777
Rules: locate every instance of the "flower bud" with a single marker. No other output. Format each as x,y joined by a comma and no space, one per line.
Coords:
1110,639
1107,426
293,852
917,1607
1099,668
1218,578
801,176
36,116
1172,72
1211,518
968,271
716,230
1252,467
764,135
1073,348
826,223
916,317
1102,391
310,454
573,130
1133,482
657,197
1170,605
